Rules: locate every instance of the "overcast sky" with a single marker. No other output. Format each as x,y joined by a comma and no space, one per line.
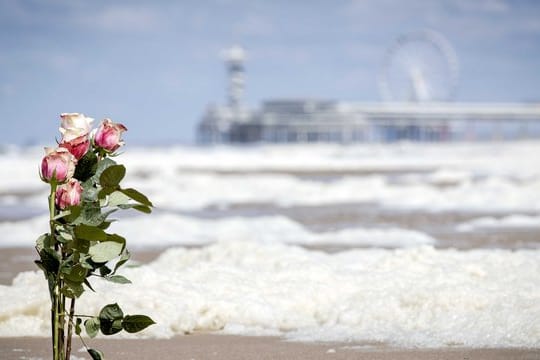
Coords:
155,65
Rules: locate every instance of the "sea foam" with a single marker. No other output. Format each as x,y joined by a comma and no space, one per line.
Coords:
431,177
156,232
407,297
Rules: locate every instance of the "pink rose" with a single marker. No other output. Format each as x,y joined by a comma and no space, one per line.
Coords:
59,163
108,135
78,146
69,194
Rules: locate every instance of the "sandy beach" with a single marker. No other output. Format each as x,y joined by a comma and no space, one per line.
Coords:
413,255
226,347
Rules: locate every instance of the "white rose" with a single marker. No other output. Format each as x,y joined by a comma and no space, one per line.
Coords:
74,125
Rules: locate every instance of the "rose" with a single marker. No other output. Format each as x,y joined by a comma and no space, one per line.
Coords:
74,125
75,128
108,135
68,194
58,163
78,146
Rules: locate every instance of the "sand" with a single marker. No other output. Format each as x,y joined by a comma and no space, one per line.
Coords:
208,346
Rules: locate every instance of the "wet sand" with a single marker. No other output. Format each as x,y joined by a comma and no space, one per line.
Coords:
224,347
315,172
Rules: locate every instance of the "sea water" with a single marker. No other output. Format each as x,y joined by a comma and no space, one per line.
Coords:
259,271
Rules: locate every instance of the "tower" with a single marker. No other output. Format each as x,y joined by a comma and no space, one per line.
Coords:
234,60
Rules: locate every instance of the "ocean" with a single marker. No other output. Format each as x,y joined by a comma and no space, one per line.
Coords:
415,245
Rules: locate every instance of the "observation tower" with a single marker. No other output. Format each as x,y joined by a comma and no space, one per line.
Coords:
234,61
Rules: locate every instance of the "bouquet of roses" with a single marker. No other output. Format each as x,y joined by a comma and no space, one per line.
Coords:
84,190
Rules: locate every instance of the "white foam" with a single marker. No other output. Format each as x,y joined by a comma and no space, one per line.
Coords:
167,230
408,297
271,229
202,190
470,177
501,176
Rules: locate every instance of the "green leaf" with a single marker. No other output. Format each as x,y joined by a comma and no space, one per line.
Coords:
74,213
64,236
81,245
44,241
118,239
137,196
76,273
95,354
62,214
110,318
72,289
136,323
86,166
104,270
90,192
111,327
119,279
118,198
92,233
123,259
111,312
78,326
105,225
143,209
111,177
102,166
106,191
50,261
105,251
91,215
92,326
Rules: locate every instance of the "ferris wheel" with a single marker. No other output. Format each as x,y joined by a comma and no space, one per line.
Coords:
419,67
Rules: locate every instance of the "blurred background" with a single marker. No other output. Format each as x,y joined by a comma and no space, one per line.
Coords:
157,65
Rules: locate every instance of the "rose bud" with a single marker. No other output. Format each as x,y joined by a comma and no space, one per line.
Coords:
74,125
59,163
78,146
68,194
108,135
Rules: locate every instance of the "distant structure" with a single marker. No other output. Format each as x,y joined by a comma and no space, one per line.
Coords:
418,80
234,58
419,67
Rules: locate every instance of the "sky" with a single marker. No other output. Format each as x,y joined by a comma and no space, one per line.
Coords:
155,65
